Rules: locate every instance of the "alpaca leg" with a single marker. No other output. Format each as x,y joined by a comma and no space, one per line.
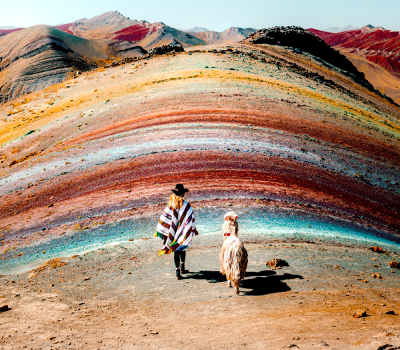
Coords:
236,285
229,283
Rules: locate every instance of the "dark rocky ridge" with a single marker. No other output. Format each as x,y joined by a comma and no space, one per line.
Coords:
174,46
306,42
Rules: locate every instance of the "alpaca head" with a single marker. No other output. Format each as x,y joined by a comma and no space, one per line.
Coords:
230,226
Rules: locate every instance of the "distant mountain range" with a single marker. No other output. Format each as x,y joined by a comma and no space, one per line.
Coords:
230,35
370,44
196,30
36,57
113,25
338,29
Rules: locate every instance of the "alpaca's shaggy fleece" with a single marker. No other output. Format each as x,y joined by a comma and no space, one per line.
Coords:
233,261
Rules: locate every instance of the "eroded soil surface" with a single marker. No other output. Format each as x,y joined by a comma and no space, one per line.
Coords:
127,297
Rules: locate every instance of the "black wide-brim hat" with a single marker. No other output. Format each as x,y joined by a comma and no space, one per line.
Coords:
179,190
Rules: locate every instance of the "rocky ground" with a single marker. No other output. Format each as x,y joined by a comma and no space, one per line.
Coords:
127,297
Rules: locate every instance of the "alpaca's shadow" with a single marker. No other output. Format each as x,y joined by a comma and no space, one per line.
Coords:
266,282
258,283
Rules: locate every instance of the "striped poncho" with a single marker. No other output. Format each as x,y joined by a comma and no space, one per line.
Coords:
176,228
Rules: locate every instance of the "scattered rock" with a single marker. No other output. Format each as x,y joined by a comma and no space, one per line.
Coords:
51,338
174,46
394,265
376,275
4,308
276,263
390,312
386,347
377,249
322,343
86,279
360,313
53,263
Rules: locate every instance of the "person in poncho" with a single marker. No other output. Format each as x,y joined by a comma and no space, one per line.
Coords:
176,228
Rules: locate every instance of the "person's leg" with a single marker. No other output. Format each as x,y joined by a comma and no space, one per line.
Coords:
177,259
177,256
183,258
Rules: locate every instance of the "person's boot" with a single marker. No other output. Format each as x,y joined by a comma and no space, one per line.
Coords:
183,270
178,274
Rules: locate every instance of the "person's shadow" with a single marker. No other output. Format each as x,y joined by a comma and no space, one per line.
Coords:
259,283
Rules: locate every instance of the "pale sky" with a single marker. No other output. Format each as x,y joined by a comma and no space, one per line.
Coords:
213,15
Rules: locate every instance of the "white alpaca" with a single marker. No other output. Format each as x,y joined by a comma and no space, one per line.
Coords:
233,254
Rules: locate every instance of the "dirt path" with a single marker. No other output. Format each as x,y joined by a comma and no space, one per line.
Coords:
126,297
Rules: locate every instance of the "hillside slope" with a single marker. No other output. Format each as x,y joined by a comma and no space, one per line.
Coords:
373,44
150,35
379,77
376,44
37,57
7,31
99,27
298,148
